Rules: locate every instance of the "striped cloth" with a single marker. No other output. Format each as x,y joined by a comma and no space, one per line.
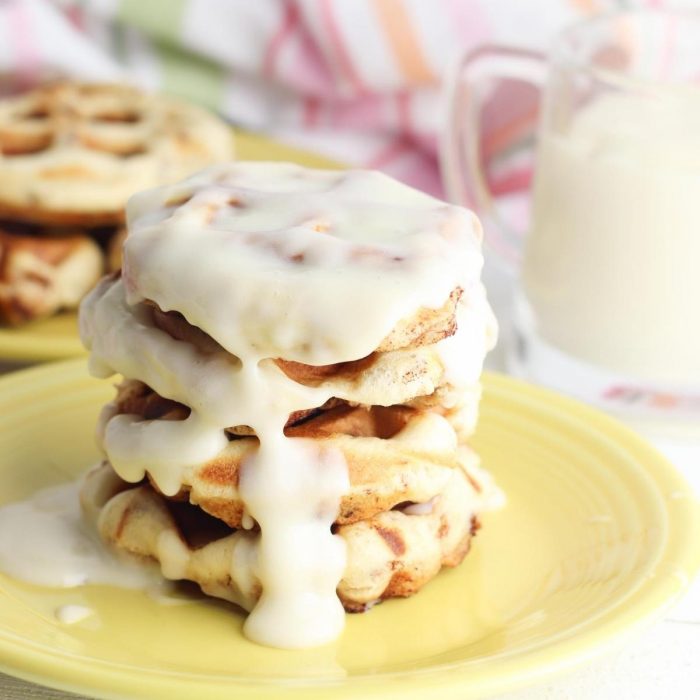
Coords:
357,80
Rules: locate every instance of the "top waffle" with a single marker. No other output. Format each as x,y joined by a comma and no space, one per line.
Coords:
73,153
305,265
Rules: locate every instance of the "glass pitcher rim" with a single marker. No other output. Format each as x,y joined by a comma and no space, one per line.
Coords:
563,51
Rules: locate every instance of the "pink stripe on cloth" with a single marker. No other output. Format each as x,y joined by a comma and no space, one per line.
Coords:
290,19
403,111
363,112
400,159
514,181
418,170
312,110
509,117
26,50
76,16
341,53
394,150
470,21
426,142
303,65
422,141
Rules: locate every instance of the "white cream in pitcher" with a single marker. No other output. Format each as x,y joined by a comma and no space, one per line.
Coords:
610,268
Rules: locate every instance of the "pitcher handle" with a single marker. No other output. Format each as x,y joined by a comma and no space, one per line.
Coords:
460,152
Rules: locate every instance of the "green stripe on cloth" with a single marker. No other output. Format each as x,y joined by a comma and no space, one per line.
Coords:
184,74
156,18
118,42
190,76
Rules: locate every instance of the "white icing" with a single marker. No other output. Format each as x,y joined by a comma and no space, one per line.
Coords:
425,508
428,429
173,555
45,540
491,497
272,261
295,517
70,614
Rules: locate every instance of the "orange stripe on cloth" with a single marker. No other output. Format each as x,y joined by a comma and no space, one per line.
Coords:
589,6
404,40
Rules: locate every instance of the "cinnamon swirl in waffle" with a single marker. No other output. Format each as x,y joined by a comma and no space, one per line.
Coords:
39,276
300,352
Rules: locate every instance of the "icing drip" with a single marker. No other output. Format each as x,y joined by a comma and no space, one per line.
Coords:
44,540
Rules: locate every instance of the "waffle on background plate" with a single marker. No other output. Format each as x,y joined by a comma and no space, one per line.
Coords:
71,154
400,416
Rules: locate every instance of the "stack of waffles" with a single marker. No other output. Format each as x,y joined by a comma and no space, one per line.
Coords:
301,353
70,156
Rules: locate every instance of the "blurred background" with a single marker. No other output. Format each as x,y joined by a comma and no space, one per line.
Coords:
356,80
360,82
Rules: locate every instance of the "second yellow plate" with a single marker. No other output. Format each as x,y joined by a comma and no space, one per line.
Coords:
599,536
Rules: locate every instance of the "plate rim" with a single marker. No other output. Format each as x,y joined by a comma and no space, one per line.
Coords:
679,561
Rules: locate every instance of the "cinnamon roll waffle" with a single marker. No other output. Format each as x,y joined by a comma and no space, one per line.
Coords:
40,276
301,353
71,154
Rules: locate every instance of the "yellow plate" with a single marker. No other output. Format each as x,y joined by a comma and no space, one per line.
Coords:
57,338
600,535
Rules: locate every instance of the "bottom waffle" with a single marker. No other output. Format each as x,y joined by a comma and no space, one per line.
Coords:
392,554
